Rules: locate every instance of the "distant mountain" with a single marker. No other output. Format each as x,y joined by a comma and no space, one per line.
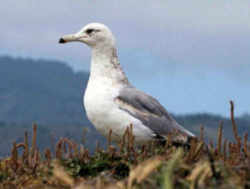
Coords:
50,94
41,91
211,122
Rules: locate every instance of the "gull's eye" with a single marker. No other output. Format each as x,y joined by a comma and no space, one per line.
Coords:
89,31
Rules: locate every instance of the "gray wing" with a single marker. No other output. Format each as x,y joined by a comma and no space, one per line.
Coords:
150,112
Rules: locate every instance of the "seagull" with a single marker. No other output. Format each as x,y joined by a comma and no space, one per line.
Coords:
112,103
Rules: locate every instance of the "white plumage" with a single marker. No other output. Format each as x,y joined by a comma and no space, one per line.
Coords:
111,102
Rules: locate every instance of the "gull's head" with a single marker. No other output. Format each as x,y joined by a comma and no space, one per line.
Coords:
94,35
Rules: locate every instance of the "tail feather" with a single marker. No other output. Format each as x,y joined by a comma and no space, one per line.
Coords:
177,139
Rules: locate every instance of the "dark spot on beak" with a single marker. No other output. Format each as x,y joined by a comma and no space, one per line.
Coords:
61,40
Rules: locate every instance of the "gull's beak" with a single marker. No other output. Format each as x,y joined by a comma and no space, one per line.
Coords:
68,38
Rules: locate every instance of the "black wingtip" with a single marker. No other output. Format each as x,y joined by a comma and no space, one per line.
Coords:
61,40
185,144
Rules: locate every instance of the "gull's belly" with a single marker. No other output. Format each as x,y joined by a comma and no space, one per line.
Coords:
105,115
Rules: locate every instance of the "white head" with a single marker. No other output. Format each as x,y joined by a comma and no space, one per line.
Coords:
95,35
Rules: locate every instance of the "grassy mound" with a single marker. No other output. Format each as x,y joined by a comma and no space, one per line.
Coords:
224,165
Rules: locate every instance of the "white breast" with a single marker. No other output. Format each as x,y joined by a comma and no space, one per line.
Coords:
105,114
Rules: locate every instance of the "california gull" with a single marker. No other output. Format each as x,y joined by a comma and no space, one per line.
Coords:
111,102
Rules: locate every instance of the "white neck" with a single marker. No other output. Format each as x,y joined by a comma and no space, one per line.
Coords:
105,64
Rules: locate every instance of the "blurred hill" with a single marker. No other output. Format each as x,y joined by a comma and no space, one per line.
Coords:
50,94
41,91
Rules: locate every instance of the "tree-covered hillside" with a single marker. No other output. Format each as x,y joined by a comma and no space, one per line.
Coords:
40,91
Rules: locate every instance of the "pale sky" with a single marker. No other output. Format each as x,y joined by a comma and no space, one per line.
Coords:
191,55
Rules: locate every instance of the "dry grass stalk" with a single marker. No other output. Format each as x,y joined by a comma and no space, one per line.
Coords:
235,131
219,138
81,153
131,143
131,137
123,141
199,174
169,140
60,174
198,150
14,157
211,161
48,156
129,140
230,148
84,134
225,150
201,133
59,149
86,155
109,137
143,152
245,148
97,147
112,151
34,136
20,145
35,161
239,145
139,173
192,150
26,148
233,153
70,147
75,149
67,146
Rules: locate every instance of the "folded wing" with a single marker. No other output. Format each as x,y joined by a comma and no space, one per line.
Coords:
151,113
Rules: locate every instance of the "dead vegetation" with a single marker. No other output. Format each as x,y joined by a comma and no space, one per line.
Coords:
225,164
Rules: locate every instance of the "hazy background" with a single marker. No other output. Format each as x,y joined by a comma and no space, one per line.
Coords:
192,55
